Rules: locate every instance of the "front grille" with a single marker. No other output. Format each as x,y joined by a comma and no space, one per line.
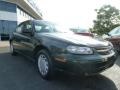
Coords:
104,50
104,53
99,66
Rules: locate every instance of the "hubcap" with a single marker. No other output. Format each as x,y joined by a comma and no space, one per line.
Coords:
11,48
43,64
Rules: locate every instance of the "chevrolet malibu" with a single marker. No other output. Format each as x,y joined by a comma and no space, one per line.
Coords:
54,47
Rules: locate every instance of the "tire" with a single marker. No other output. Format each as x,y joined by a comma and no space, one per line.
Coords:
12,51
44,64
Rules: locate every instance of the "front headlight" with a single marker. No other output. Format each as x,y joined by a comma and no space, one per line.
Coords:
79,50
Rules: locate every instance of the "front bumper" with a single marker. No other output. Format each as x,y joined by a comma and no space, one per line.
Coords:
86,64
90,67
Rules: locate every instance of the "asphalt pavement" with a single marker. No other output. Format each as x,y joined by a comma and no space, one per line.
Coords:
19,73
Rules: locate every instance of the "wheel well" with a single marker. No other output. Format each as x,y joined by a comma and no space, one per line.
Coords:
10,41
38,48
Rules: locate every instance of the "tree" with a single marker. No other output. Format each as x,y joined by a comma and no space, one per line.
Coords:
108,17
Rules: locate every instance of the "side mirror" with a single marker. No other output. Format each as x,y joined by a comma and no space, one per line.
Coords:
107,34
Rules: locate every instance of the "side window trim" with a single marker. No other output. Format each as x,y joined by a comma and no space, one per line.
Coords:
22,26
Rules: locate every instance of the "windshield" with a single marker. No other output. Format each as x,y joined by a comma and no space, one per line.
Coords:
115,31
50,28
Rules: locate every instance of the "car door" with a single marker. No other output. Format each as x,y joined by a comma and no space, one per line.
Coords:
27,39
17,37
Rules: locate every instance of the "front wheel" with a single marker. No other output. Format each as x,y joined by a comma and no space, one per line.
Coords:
45,64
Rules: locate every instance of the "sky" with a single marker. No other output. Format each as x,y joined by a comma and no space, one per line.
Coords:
73,13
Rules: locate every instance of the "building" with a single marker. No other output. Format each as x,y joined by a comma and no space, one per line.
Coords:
12,12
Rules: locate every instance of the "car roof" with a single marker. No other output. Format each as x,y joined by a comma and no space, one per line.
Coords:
41,21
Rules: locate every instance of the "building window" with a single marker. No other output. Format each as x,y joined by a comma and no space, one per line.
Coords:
6,6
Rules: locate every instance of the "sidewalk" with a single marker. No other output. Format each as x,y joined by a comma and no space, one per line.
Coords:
4,44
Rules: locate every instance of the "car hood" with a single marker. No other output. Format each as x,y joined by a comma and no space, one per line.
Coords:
77,39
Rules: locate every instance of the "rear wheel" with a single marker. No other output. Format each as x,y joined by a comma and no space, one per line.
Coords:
45,64
12,51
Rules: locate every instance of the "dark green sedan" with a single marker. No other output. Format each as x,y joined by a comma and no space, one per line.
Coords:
55,47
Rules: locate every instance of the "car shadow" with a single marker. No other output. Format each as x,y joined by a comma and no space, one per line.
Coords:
73,82
17,73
